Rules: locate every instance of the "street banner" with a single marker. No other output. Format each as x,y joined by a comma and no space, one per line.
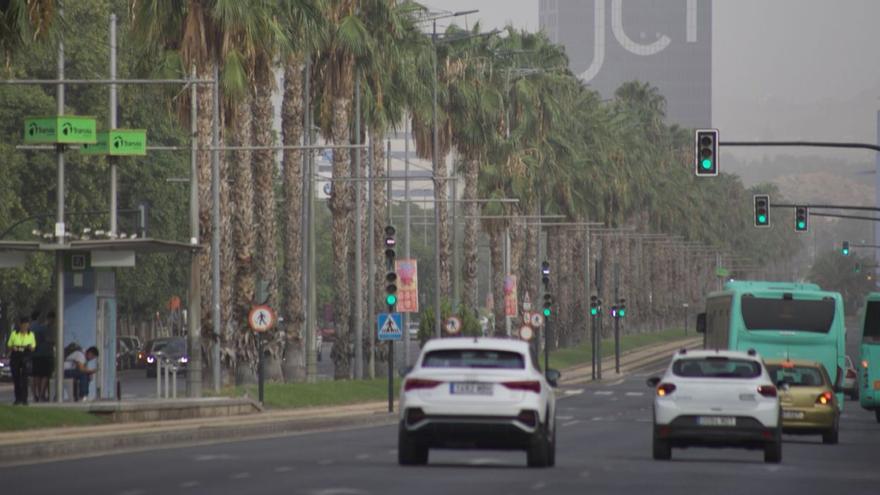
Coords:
510,303
408,286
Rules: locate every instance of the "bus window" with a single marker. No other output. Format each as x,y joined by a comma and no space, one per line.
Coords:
871,331
788,314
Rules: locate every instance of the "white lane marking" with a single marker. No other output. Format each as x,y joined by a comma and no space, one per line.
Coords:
642,420
635,394
597,418
240,476
571,423
362,457
392,452
189,484
603,392
564,418
213,457
283,469
577,391
326,462
539,485
772,469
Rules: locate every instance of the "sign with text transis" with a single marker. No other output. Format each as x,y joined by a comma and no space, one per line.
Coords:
118,142
65,129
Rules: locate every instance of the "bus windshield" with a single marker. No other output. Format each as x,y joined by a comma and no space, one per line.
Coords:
761,313
871,332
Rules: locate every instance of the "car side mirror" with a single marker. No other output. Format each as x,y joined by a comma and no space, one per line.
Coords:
701,323
553,377
653,381
405,371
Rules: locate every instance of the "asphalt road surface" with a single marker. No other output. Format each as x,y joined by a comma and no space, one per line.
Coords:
604,447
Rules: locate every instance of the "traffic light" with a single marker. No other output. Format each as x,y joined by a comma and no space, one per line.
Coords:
706,152
614,311
621,309
548,303
762,210
801,217
391,273
845,249
545,273
594,306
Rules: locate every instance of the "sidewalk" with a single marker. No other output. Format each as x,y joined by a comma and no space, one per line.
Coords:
28,446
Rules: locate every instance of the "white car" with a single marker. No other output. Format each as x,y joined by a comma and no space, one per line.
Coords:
479,393
716,399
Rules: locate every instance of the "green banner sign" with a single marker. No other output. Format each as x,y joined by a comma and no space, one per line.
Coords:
65,129
118,142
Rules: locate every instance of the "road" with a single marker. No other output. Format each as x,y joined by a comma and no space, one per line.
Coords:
604,447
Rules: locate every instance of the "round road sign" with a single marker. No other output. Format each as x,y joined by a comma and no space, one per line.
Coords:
537,320
526,332
453,325
261,318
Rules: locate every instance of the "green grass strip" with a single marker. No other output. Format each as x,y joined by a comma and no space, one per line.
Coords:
323,393
14,418
581,354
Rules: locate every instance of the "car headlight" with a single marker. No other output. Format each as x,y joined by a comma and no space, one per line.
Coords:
151,359
183,360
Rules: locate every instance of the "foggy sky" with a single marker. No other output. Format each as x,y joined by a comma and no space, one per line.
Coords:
800,69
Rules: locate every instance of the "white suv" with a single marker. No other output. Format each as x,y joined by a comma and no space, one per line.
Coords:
481,393
716,399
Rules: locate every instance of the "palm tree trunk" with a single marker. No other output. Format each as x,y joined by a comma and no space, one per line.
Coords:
243,235
496,238
203,125
294,365
341,207
441,195
265,220
471,232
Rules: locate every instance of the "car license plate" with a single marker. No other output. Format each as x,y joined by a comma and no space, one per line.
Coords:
470,388
792,414
716,421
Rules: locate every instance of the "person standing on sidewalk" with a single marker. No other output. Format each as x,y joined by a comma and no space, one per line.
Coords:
21,344
43,357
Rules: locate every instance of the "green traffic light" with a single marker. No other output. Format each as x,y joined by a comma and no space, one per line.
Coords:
391,299
762,218
707,164
546,311
594,311
802,225
846,252
621,313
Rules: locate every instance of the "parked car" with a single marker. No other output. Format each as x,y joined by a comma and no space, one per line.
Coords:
170,350
5,370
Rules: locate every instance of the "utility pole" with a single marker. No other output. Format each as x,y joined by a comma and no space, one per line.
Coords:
194,315
215,226
59,232
358,240
114,229
406,229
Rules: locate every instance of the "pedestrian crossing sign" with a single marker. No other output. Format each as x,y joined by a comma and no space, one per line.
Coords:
390,326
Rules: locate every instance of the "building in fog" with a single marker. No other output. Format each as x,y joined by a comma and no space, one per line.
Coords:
667,43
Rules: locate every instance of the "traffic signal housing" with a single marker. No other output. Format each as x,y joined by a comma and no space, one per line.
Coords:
801,219
844,250
762,210
545,273
548,305
391,273
594,306
621,309
706,152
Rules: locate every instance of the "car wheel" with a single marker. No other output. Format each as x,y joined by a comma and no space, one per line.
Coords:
773,449
662,450
538,454
410,452
830,437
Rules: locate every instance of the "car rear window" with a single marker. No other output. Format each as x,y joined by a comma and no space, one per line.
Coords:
716,367
797,376
474,358
761,313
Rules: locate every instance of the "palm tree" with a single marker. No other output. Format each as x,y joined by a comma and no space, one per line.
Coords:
24,21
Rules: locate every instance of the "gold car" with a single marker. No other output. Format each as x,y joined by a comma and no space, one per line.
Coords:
809,405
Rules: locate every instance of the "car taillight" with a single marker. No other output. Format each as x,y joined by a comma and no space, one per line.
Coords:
865,363
140,355
526,386
665,389
767,390
528,418
824,398
419,383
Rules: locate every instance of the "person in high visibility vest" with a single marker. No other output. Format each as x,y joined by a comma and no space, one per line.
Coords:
21,344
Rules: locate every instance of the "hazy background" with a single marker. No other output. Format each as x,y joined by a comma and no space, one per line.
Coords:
795,69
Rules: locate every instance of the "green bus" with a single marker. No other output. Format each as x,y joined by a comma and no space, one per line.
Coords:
780,320
869,356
